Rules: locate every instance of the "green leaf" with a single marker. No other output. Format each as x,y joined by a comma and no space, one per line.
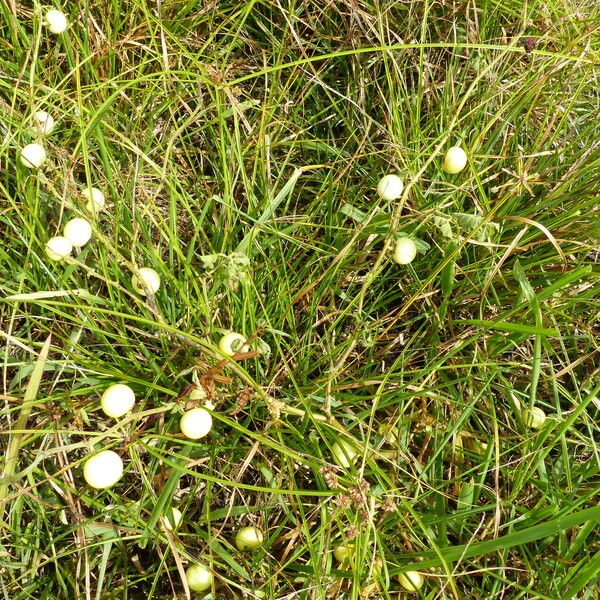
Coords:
448,554
447,274
584,574
444,226
465,497
475,226
526,288
354,213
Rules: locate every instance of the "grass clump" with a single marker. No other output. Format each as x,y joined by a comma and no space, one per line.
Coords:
235,151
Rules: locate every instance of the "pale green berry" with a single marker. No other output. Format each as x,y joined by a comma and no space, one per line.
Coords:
43,123
249,538
117,400
343,453
78,231
198,393
196,423
58,248
56,21
103,470
411,580
95,199
146,279
33,156
344,553
455,160
476,446
405,251
533,418
172,522
390,187
199,578
232,343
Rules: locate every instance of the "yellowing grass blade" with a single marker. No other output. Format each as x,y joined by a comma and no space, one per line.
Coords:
12,454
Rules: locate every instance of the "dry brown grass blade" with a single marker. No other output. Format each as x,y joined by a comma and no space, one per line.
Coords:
543,229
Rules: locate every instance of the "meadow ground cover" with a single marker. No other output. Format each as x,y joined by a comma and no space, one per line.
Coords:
398,387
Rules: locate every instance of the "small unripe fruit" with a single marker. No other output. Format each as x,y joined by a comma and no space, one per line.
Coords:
58,248
117,400
78,231
533,418
344,553
95,199
232,343
476,446
43,123
174,521
196,423
405,251
56,21
33,156
103,470
146,279
198,578
249,538
411,580
455,160
390,187
343,453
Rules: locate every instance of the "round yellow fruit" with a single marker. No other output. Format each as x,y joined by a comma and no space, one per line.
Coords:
117,400
411,580
455,160
249,538
196,423
390,187
146,279
405,251
33,156
103,470
199,578
58,248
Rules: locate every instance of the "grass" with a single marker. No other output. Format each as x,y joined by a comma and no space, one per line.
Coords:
239,146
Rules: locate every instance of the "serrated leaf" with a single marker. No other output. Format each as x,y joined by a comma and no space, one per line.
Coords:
444,226
475,225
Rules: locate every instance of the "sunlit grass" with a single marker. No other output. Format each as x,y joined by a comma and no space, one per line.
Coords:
239,147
